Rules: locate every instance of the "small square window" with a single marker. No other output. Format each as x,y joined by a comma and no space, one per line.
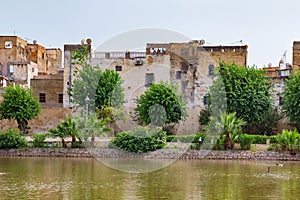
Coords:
42,97
118,68
60,98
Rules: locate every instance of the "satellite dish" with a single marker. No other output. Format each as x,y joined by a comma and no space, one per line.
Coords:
201,42
89,41
34,41
82,41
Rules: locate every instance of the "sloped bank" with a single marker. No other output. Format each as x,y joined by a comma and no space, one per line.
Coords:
161,154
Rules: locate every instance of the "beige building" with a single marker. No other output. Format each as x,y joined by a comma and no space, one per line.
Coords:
189,65
21,61
48,90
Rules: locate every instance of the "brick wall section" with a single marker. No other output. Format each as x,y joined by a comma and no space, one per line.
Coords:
296,55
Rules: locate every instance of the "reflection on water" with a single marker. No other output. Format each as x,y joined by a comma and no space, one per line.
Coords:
69,178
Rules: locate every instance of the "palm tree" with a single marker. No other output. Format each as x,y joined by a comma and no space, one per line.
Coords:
91,128
232,126
289,140
65,129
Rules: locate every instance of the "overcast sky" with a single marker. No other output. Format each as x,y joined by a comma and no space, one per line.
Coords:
267,27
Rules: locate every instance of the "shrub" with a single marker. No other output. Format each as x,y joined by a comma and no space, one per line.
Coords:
140,140
38,139
260,139
289,141
204,116
186,138
245,141
11,138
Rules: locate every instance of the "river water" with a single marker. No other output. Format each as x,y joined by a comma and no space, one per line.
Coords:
87,178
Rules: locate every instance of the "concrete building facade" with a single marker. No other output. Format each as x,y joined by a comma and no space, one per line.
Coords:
189,65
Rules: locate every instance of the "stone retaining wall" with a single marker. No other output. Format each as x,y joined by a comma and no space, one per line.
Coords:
160,154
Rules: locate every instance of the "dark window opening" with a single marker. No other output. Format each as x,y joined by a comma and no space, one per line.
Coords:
118,68
178,75
42,97
211,69
205,100
60,98
280,101
184,67
149,79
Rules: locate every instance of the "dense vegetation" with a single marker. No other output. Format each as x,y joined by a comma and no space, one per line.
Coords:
12,139
19,104
141,139
291,100
160,105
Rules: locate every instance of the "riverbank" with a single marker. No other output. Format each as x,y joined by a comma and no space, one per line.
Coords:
160,154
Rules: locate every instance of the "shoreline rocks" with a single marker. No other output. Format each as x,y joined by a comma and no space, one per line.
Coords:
159,154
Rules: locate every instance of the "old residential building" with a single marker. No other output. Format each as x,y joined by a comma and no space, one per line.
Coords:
48,90
21,61
190,65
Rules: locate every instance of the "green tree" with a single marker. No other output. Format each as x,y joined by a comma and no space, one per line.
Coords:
102,87
65,129
291,100
19,104
91,128
160,105
109,90
228,125
247,92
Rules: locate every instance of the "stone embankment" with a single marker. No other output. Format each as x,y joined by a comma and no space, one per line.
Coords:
160,154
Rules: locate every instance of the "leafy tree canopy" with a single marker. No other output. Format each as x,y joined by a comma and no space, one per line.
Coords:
247,92
291,100
19,104
160,104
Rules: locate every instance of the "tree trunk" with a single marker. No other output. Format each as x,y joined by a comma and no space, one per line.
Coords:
228,143
93,141
73,141
63,143
23,126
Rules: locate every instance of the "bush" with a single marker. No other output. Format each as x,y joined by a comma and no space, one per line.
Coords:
11,138
140,140
204,116
186,138
260,139
289,141
38,139
245,141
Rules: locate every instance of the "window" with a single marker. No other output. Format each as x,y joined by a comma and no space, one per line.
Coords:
42,97
178,74
211,70
32,69
184,67
149,79
280,101
118,68
60,98
205,100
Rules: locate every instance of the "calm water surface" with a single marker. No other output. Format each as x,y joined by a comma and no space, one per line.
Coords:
68,178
